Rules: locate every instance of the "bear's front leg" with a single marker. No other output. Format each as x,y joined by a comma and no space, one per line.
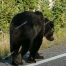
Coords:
31,60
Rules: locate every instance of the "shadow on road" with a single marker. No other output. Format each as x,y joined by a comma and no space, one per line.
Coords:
7,61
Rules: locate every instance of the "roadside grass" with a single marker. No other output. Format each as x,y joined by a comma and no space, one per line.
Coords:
59,38
4,45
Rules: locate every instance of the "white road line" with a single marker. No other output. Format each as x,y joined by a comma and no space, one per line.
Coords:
47,60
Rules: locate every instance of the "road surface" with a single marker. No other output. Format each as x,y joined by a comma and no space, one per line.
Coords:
54,56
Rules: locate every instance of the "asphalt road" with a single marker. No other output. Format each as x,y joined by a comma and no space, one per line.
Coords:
57,62
49,54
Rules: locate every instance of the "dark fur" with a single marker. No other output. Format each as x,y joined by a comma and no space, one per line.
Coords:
30,35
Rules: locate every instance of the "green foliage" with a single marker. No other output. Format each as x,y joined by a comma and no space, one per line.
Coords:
45,9
8,8
29,4
59,14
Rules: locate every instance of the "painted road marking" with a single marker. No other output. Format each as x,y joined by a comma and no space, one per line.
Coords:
47,60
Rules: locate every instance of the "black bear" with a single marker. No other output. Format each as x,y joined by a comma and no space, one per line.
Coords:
26,31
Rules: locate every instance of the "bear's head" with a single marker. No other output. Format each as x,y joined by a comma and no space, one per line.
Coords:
48,29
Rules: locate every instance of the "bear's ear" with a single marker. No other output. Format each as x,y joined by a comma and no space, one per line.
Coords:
46,19
38,13
51,24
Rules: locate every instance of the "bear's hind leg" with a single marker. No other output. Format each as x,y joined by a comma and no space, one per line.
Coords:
16,56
